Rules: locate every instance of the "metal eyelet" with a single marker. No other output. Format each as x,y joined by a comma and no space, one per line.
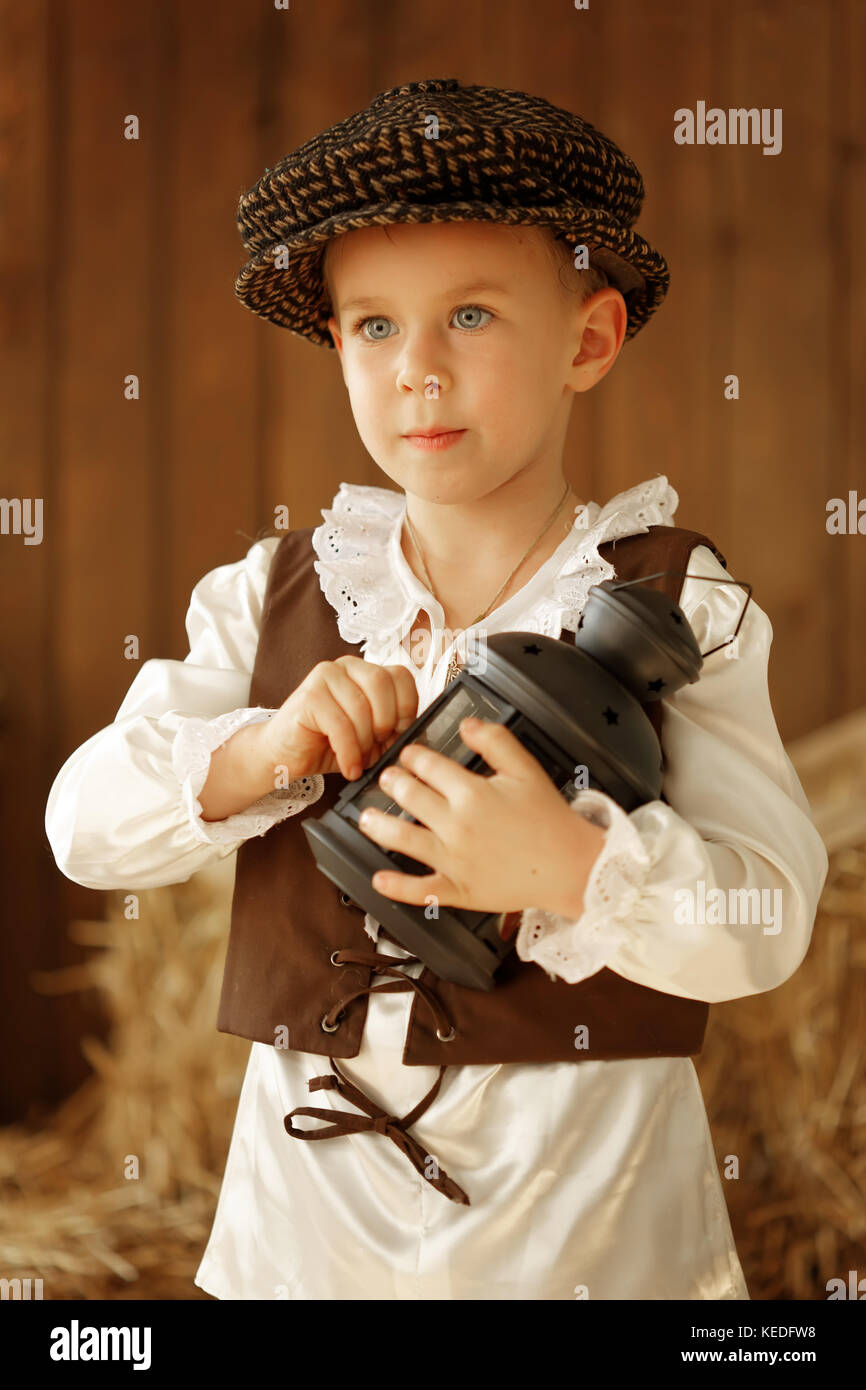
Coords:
346,901
332,1028
336,962
446,1037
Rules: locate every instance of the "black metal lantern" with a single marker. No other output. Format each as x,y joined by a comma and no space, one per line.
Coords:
577,709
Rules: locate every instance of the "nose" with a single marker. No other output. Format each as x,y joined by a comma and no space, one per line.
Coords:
422,371
430,385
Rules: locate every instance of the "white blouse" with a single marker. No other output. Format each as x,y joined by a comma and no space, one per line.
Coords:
595,1179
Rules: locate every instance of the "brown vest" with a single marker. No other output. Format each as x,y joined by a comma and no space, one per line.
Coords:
289,920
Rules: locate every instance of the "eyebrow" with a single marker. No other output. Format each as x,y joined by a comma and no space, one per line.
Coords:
473,287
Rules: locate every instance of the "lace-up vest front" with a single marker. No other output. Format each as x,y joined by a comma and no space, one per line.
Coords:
299,962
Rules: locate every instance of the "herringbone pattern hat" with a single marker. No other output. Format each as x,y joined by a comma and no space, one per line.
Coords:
437,151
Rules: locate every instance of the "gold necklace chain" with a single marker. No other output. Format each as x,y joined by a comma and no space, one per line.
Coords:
453,666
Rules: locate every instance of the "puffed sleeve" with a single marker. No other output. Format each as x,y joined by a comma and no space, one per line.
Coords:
123,811
713,896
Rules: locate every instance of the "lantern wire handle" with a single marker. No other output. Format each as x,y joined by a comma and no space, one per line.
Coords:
742,583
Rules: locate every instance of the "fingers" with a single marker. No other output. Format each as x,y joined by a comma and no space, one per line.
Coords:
391,694
376,688
407,696
411,793
394,832
408,888
357,708
499,747
390,690
376,701
331,720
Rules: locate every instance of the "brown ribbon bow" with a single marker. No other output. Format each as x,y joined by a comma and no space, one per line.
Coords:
375,1118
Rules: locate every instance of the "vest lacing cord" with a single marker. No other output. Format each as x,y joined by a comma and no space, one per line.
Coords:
376,1119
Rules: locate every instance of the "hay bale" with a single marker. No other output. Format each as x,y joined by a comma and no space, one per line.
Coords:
796,1111
162,1099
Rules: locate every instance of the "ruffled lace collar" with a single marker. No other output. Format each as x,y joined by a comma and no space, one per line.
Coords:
367,581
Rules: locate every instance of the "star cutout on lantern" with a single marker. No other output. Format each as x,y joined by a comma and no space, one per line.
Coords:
533,649
677,617
656,684
611,715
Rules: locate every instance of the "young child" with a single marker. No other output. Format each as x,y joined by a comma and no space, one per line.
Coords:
435,239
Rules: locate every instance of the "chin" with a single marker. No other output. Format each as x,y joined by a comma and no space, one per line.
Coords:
438,483
436,479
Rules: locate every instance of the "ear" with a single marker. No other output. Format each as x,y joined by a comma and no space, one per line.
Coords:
600,321
334,331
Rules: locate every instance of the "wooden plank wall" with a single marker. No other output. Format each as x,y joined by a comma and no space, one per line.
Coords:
118,257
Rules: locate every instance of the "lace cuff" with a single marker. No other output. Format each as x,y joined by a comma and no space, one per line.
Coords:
574,949
193,744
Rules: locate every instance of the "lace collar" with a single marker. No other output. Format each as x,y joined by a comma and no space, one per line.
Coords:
367,581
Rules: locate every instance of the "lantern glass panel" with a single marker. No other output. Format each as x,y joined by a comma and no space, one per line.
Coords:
441,732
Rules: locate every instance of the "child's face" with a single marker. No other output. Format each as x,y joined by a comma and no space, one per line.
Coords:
464,326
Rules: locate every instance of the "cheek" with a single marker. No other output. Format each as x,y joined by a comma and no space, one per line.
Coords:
507,365
492,376
508,386
365,385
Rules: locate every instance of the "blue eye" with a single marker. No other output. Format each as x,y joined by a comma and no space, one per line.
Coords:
474,309
361,323
381,319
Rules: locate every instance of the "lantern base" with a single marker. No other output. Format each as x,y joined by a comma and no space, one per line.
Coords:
464,947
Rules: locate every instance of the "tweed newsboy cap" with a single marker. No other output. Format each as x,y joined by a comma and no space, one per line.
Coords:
438,151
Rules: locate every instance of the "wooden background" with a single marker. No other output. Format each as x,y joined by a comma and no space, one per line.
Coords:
119,257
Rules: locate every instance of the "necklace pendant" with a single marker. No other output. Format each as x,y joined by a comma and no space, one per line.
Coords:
453,671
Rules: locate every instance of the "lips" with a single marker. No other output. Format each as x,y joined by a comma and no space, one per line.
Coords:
429,434
435,442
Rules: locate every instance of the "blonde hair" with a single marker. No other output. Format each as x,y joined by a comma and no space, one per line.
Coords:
582,282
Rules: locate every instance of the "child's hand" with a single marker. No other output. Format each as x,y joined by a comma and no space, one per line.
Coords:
341,718
499,843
